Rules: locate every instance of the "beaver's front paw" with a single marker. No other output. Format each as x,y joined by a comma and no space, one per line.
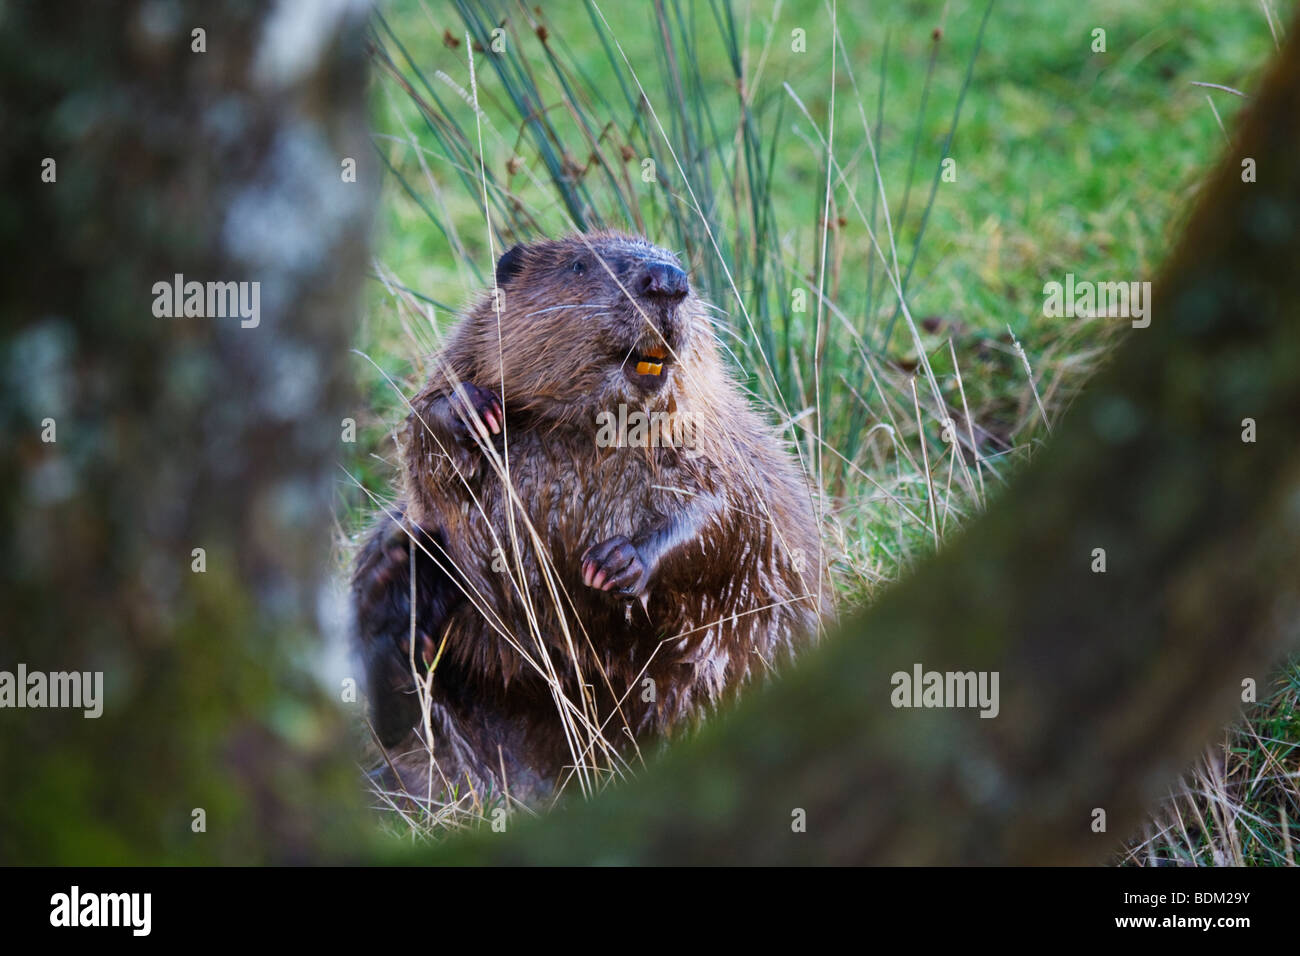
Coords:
380,577
615,565
381,583
469,400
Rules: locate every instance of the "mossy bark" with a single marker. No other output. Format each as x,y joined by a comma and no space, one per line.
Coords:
220,164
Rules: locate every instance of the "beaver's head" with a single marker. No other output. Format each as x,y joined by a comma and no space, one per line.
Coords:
591,320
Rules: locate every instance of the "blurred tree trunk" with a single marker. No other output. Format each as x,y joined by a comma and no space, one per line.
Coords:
216,155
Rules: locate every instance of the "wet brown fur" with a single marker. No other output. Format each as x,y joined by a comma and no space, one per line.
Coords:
739,587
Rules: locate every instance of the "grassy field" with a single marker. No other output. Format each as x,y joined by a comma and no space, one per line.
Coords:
769,127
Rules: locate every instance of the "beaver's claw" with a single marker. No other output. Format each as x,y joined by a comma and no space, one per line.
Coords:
615,565
484,403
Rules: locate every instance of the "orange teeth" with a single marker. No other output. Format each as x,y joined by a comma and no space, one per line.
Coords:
649,368
657,352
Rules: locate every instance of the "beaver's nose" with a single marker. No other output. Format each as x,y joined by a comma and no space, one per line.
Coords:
662,282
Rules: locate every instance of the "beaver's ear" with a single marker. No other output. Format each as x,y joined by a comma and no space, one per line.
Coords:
509,264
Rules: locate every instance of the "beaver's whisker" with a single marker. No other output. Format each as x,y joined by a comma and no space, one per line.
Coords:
567,305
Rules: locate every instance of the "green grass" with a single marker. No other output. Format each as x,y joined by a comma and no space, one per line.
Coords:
1067,160
1239,805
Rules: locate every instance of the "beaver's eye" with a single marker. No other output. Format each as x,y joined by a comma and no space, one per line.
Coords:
578,267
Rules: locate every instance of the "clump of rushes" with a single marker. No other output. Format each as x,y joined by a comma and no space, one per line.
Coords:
693,140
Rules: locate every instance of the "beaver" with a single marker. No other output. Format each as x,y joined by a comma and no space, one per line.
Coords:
599,539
